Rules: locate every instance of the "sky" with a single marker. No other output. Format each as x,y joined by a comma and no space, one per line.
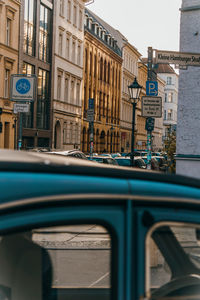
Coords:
145,23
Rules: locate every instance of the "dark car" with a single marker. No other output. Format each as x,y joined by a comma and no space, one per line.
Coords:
126,162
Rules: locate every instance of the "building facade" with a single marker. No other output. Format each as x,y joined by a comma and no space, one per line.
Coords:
102,82
68,73
130,71
167,73
9,45
157,134
35,57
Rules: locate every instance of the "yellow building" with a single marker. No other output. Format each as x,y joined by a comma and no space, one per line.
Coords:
9,41
102,82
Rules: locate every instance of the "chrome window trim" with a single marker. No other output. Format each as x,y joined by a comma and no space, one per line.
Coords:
67,197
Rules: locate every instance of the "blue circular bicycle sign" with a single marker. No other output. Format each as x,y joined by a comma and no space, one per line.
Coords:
23,86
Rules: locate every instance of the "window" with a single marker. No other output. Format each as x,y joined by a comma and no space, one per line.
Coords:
72,91
59,81
165,97
79,55
75,16
43,103
170,114
60,44
69,10
8,31
61,7
41,261
6,83
80,19
73,51
169,80
68,47
28,117
173,261
29,27
78,93
66,89
170,97
44,33
165,115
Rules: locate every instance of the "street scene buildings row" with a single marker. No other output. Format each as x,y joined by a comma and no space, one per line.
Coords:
76,56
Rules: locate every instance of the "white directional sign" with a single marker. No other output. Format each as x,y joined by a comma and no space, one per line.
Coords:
21,107
151,107
22,87
177,58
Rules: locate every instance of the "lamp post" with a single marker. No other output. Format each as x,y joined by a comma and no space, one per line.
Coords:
134,93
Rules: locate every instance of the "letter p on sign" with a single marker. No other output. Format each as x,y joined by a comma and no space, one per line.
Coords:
151,88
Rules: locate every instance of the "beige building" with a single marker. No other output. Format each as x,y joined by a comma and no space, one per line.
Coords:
130,71
9,44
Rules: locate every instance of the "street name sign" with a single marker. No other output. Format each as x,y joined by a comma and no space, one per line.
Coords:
151,107
151,88
21,107
22,87
177,58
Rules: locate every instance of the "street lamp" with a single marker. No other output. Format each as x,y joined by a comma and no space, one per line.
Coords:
134,93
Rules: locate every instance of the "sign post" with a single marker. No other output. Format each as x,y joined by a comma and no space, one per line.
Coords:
22,90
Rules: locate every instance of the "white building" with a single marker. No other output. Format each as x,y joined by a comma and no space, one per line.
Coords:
68,73
167,73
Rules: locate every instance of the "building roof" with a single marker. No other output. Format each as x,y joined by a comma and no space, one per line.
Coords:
164,68
119,37
160,68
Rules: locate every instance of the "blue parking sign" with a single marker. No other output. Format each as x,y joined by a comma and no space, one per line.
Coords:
151,88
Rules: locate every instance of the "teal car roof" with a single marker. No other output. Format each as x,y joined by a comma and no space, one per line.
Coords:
30,174
21,161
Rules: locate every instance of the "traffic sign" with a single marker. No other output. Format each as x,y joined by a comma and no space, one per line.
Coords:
90,115
151,106
23,87
21,107
91,103
151,88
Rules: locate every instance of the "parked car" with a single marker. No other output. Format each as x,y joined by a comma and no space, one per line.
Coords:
72,153
126,162
75,229
104,160
163,166
154,163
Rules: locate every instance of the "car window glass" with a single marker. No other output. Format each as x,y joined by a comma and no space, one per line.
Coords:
173,262
68,262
